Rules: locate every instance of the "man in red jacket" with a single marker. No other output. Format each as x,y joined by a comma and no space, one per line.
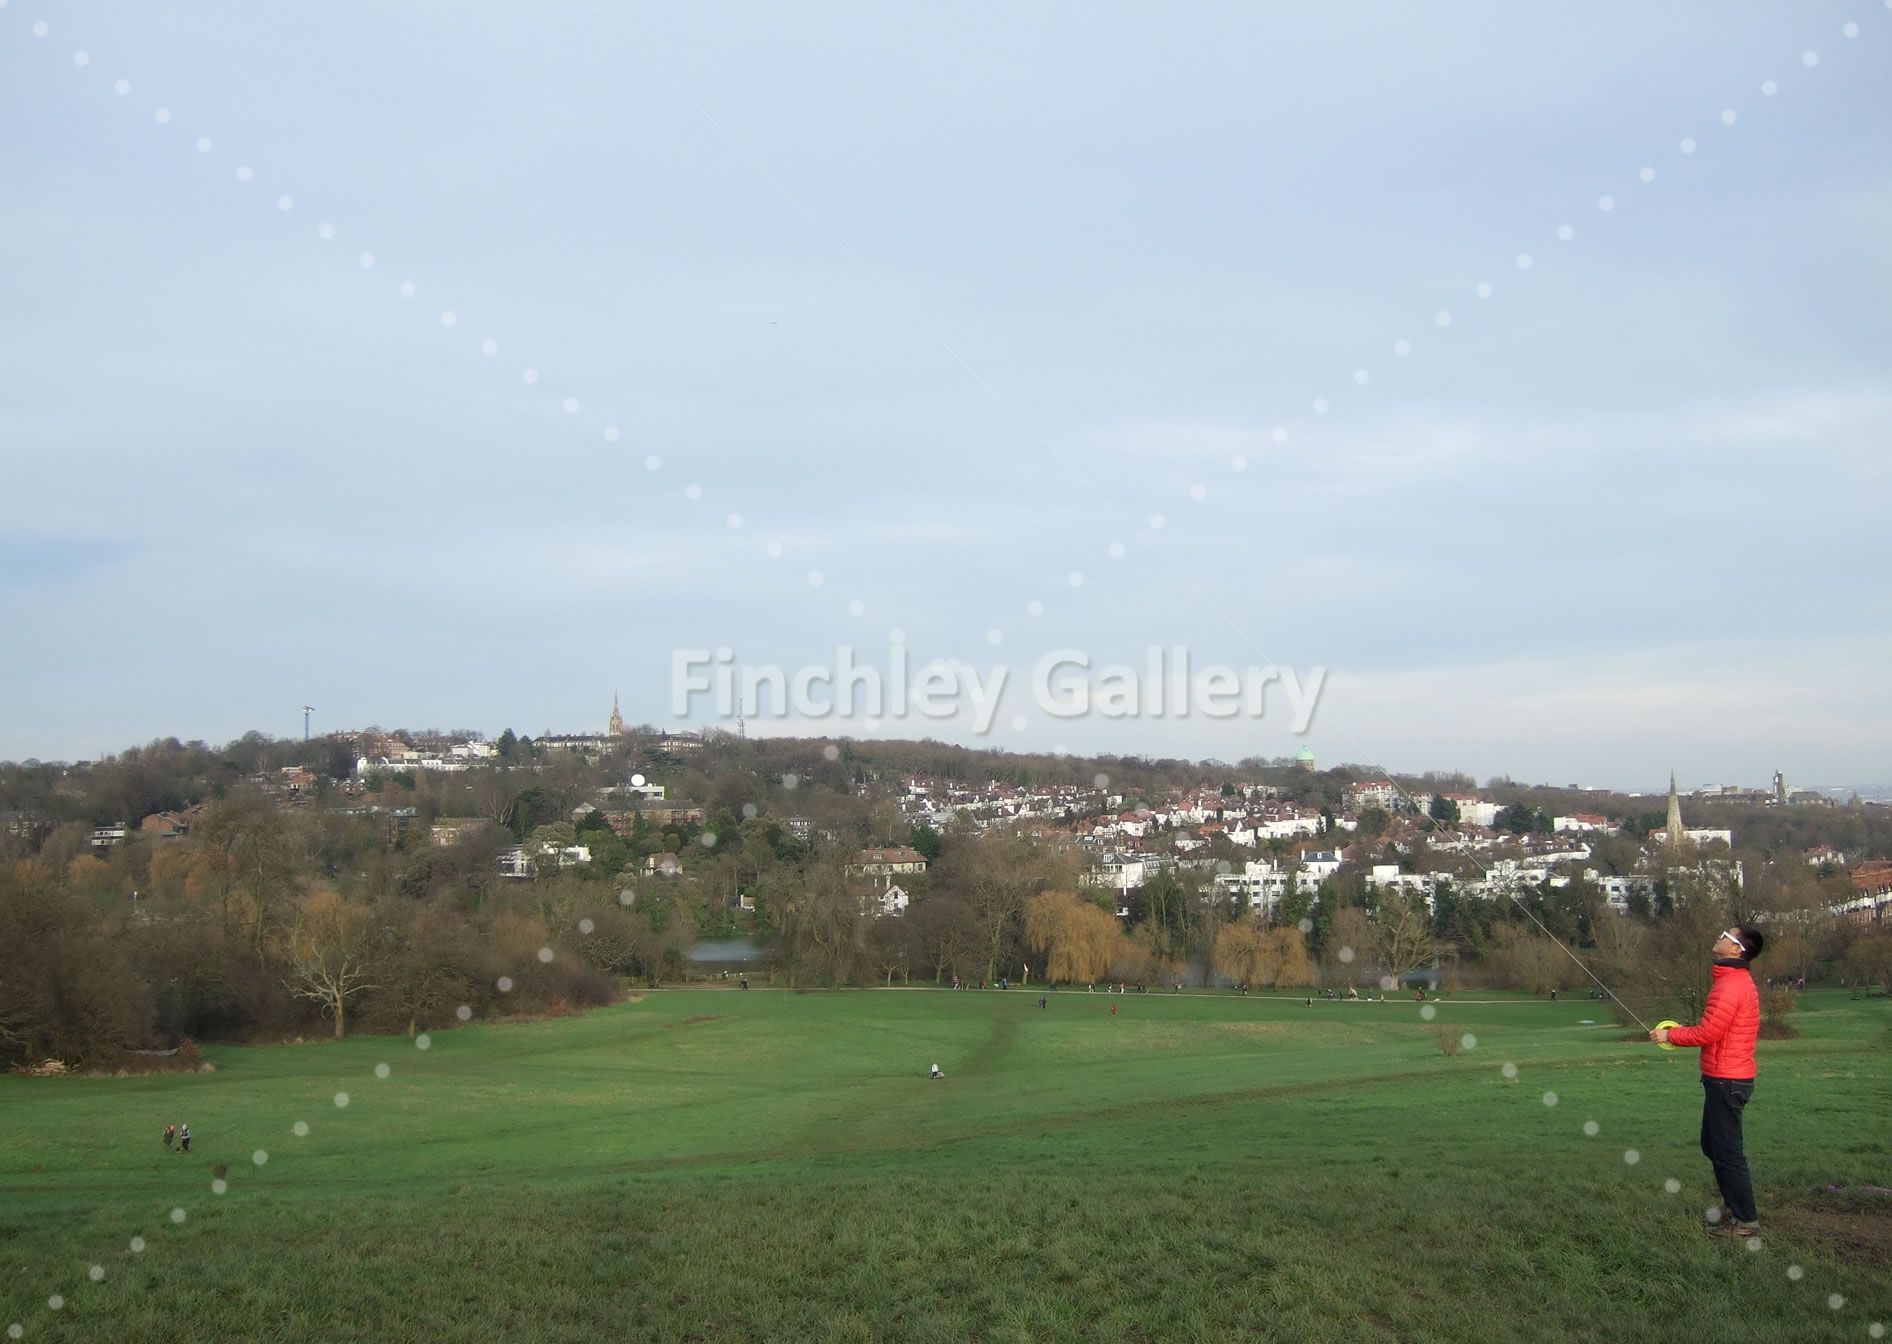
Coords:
1730,1022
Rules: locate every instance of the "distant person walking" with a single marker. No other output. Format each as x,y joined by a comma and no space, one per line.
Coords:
170,1136
1730,1024
183,1138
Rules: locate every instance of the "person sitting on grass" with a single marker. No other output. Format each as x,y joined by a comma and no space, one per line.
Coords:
937,1072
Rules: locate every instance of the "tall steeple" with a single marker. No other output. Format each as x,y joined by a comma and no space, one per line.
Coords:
1675,835
617,719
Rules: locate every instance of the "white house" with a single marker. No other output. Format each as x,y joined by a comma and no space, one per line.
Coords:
514,862
1473,810
1316,867
1382,793
890,900
1260,885
1286,826
1120,872
1387,877
885,862
1618,889
413,760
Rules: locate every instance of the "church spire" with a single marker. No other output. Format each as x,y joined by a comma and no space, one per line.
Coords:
617,719
1675,834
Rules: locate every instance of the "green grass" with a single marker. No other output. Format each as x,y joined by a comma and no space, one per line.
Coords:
1198,1167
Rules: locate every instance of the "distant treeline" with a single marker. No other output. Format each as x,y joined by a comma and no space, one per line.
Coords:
332,908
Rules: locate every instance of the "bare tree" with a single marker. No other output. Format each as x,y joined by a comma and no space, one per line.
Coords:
1670,974
1868,959
250,862
1348,945
948,935
824,924
1526,959
1001,873
496,795
329,956
893,942
432,968
1402,927
67,989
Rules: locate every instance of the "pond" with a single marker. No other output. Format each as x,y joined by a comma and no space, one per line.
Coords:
726,951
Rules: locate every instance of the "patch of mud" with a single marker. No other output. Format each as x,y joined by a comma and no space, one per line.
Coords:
1853,1227
1860,1239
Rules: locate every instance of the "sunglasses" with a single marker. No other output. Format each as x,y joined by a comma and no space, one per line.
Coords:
1732,937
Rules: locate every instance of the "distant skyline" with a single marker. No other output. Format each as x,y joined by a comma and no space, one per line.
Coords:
1351,338
1868,790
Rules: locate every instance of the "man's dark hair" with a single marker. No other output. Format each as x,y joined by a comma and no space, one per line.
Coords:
1750,939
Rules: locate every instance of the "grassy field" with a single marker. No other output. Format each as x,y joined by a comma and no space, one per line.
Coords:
719,1165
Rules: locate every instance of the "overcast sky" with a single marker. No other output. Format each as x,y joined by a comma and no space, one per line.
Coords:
950,305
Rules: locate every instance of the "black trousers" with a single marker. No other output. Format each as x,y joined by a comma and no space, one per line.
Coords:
1723,1101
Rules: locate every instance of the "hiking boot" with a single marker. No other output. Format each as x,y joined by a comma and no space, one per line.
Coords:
1731,1229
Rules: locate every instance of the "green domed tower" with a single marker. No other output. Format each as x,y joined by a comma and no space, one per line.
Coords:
1304,758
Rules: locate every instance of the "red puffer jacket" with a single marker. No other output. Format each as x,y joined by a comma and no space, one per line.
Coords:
1730,1022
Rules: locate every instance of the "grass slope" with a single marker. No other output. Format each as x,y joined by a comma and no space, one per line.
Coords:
762,1165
